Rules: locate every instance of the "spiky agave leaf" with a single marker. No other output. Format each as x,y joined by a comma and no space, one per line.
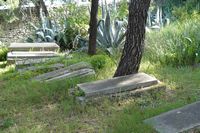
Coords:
40,34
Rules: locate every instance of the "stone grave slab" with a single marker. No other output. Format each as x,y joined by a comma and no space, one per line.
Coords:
178,120
33,68
77,73
29,57
62,71
117,85
33,47
40,54
19,62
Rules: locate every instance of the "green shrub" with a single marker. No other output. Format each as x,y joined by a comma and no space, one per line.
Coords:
73,20
177,44
190,9
7,123
98,61
3,54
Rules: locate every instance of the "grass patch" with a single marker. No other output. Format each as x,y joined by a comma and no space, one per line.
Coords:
47,107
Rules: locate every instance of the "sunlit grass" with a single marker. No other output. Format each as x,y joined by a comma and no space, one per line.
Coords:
34,106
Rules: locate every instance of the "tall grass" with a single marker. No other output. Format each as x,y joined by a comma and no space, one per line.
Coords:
177,44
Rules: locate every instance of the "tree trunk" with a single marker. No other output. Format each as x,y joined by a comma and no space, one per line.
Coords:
37,8
44,8
135,35
93,27
39,4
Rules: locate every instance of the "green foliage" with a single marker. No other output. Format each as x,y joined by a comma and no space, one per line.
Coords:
98,61
44,32
111,34
122,10
73,21
3,54
190,9
9,15
49,102
7,123
177,44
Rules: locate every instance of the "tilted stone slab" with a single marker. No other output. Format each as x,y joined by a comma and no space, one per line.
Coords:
117,85
158,88
178,120
34,68
33,47
56,73
77,73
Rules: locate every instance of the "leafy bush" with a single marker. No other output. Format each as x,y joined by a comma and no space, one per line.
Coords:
7,123
73,20
190,9
3,54
11,15
98,61
177,44
122,10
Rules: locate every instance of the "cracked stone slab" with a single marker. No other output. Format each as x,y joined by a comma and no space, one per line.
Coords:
178,120
77,73
34,68
63,71
33,47
117,84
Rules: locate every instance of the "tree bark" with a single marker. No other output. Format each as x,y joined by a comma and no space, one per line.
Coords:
40,4
135,35
37,8
44,8
93,27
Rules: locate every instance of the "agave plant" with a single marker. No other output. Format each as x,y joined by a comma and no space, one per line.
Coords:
111,34
44,33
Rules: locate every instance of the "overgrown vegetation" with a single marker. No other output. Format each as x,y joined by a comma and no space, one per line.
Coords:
24,109
177,44
172,55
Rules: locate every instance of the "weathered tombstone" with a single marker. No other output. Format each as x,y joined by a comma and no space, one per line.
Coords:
117,85
178,120
63,71
33,47
29,57
33,68
77,73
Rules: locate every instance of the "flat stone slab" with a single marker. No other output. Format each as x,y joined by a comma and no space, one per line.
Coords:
19,62
33,47
42,54
22,58
62,71
34,68
117,85
178,120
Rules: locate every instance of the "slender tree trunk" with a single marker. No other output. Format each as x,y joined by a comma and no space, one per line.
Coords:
40,4
44,8
93,27
135,35
46,13
37,8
